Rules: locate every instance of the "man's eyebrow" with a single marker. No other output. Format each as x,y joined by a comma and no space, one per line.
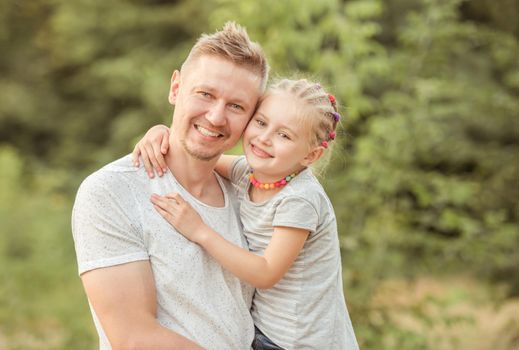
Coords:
208,88
242,102
204,87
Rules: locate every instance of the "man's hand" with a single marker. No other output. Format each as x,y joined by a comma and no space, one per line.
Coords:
152,148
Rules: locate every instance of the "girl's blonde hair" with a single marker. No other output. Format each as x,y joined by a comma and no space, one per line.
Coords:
316,109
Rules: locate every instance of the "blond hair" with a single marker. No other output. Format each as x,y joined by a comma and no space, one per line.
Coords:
233,44
316,110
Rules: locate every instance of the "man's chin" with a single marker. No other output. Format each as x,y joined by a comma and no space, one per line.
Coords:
201,154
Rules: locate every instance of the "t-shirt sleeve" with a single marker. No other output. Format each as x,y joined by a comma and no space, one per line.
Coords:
239,169
296,212
105,226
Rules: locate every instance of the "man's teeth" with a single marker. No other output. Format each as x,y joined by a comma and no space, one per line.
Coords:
206,132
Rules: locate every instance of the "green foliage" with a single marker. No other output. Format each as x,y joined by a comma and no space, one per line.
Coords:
426,184
86,76
437,158
41,299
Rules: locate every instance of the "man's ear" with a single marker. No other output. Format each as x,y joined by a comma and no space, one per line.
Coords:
173,89
313,156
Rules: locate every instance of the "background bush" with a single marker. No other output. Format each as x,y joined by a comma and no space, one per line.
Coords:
425,186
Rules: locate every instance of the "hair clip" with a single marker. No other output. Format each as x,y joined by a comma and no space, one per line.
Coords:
324,144
332,135
336,116
331,98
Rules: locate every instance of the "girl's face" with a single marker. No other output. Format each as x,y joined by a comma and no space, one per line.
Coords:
276,142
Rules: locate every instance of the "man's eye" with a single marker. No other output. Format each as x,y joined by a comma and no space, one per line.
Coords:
236,106
204,94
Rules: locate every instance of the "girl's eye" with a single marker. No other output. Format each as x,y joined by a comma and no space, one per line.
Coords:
284,136
260,122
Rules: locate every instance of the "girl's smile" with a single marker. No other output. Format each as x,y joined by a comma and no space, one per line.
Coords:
276,143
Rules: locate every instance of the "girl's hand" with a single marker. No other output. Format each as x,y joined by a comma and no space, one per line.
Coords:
180,215
152,148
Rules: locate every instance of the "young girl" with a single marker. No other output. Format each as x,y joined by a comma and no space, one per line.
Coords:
294,259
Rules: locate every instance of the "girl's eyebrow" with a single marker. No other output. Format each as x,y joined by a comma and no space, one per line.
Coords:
263,115
283,126
292,133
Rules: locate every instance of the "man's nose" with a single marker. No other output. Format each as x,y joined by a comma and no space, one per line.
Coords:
216,114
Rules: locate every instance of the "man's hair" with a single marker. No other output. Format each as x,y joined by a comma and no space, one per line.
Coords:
233,44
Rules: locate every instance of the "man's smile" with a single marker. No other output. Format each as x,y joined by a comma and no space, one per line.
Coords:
207,132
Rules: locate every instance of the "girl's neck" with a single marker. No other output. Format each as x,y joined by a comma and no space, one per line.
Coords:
259,194
269,178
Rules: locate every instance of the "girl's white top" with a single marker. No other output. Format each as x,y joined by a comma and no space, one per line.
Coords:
306,309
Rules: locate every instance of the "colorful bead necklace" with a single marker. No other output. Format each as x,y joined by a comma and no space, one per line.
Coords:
270,186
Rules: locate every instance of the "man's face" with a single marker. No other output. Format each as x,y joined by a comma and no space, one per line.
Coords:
214,100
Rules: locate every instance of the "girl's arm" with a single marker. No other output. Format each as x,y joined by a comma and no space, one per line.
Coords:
155,144
152,148
260,271
224,164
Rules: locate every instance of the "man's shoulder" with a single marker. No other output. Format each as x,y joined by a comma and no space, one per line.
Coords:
121,165
112,176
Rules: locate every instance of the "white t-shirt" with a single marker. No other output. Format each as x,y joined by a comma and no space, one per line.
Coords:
114,222
306,309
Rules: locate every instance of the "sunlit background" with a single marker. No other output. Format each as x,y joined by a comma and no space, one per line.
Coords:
425,184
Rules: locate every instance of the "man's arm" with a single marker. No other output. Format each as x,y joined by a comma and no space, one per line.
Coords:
124,299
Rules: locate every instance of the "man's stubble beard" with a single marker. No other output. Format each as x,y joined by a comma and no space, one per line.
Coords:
199,155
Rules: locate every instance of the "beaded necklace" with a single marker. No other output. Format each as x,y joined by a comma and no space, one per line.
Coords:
270,186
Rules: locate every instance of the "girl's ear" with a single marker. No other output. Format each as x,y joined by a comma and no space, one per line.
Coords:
173,89
313,156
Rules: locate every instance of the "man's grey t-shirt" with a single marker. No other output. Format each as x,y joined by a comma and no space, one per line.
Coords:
114,222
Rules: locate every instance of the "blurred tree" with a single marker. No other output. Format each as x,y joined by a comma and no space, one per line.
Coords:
427,181
439,157
83,79
42,305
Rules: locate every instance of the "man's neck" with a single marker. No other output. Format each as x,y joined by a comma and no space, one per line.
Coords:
195,175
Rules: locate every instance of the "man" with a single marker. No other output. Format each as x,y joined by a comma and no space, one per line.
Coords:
148,287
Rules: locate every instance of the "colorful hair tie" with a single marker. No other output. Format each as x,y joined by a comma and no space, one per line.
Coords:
324,144
332,135
331,98
336,116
